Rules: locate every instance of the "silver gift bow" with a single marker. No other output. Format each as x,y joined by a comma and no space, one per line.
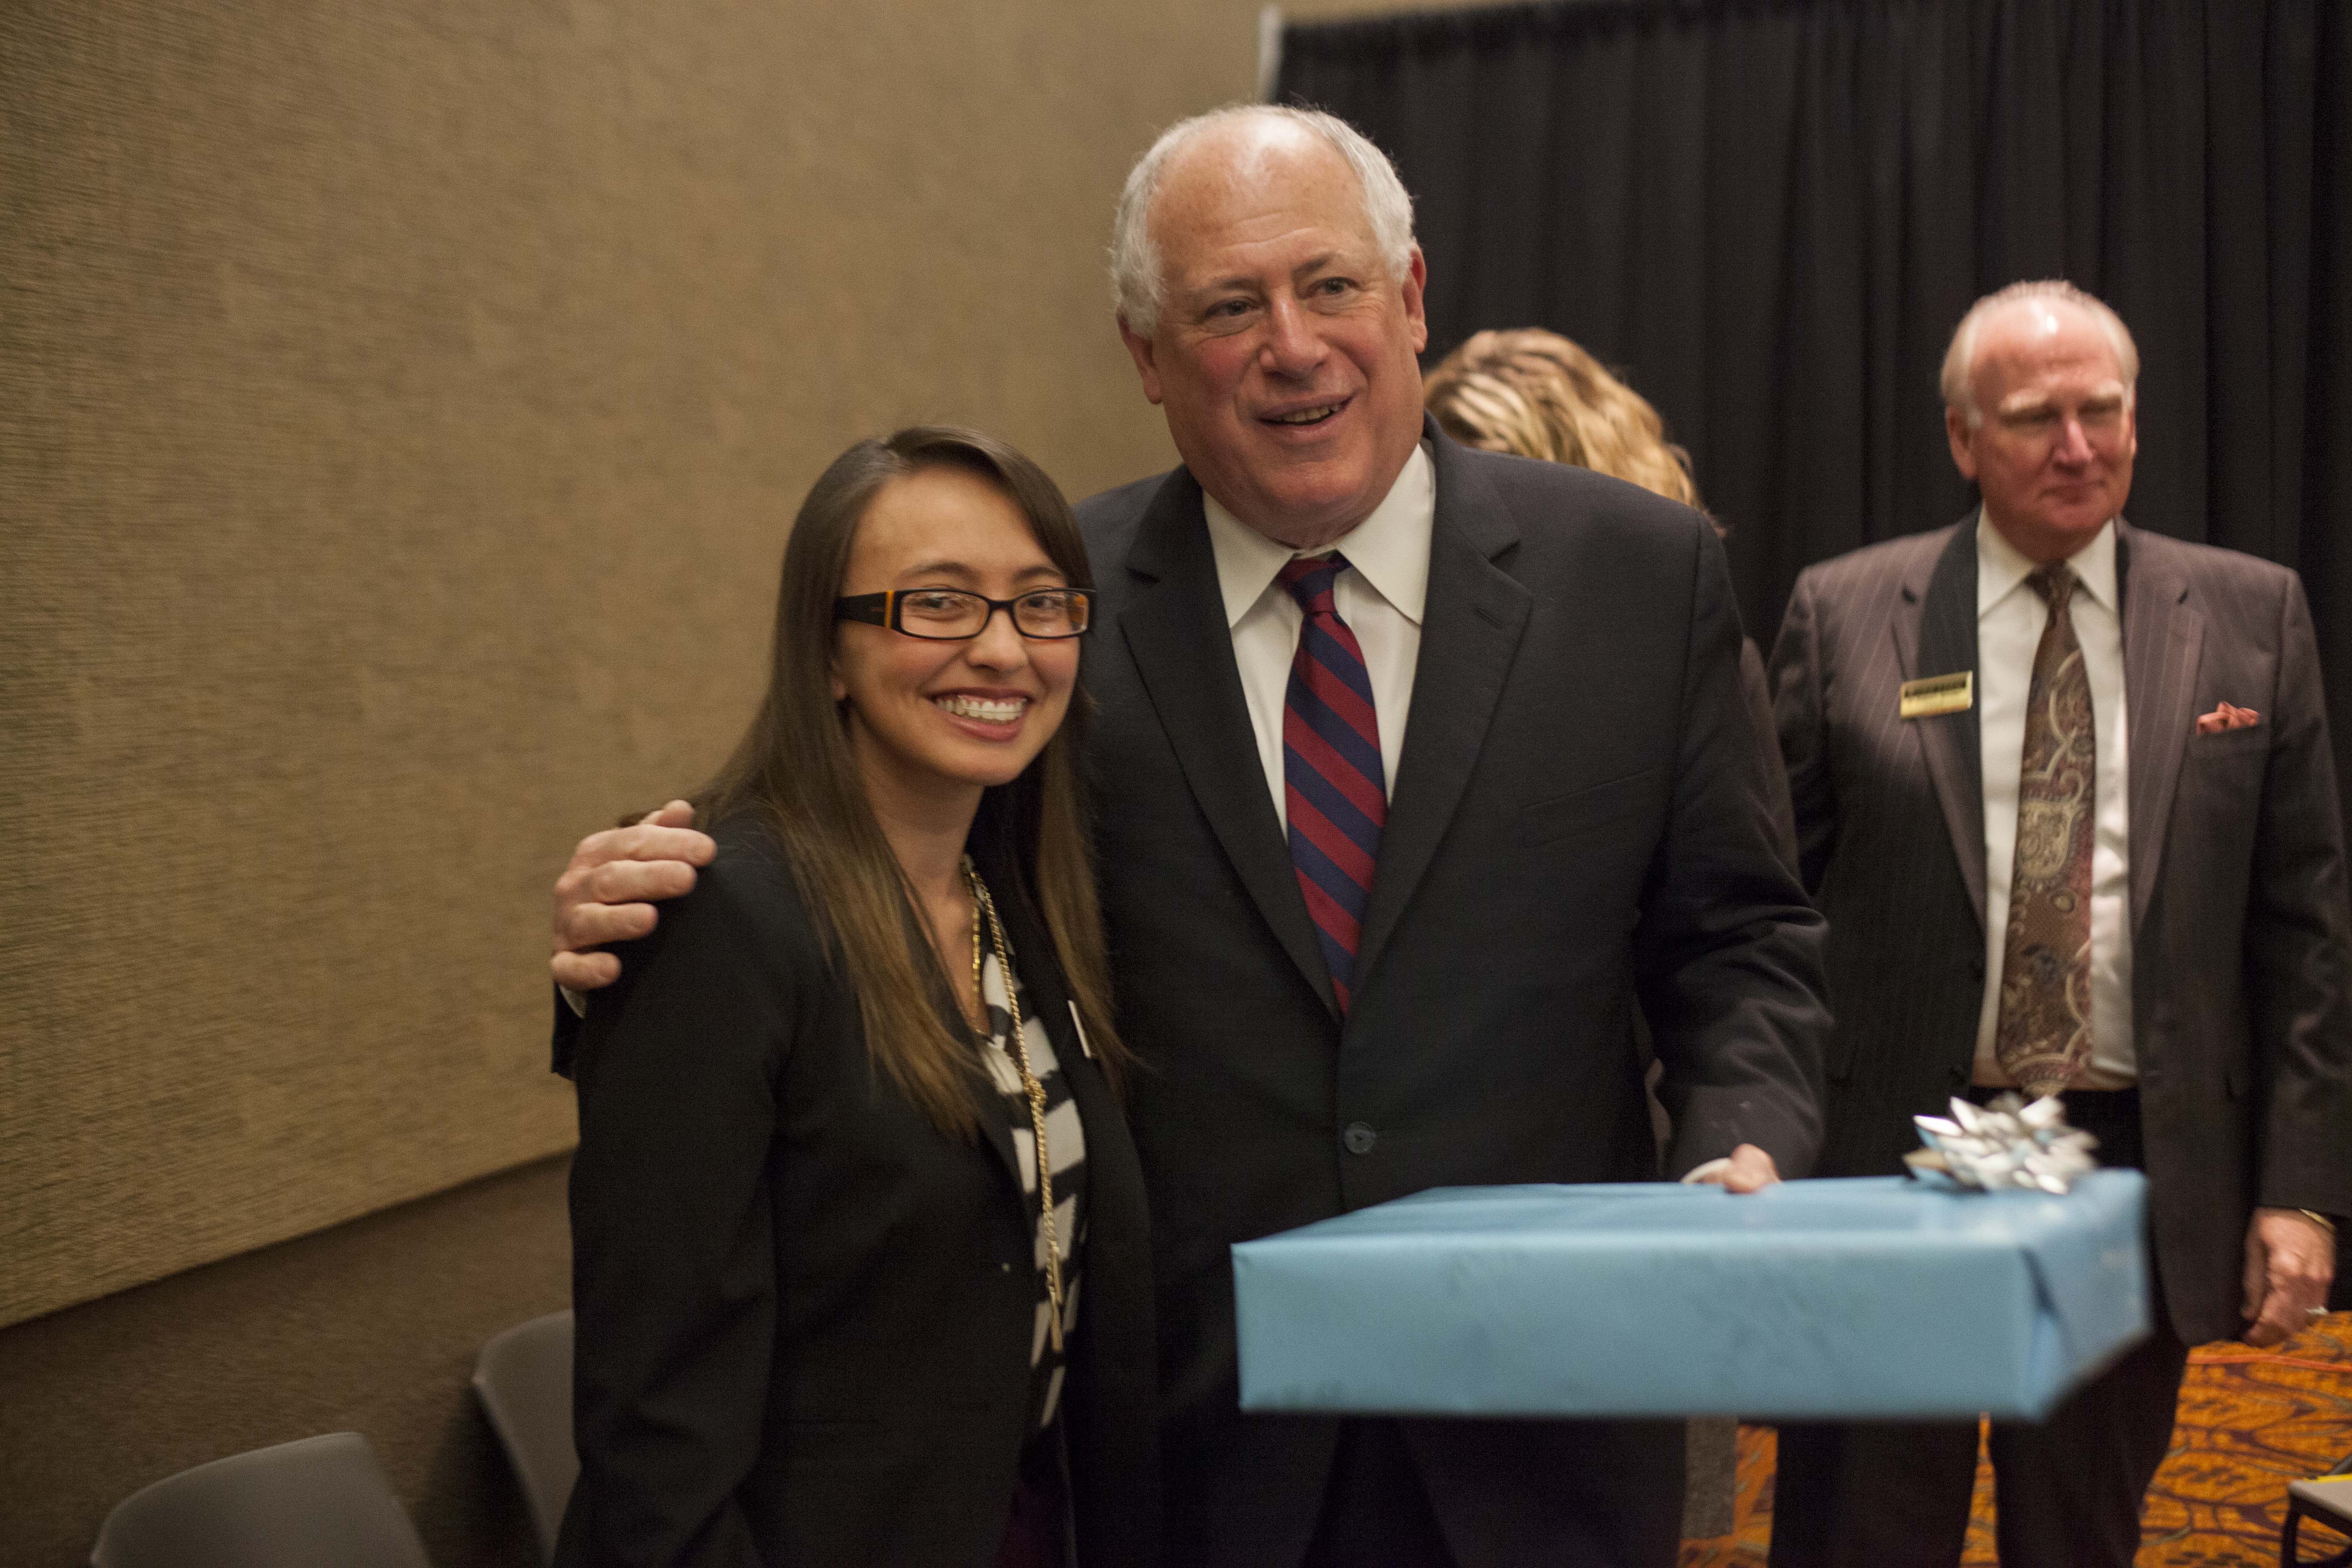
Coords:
2003,1144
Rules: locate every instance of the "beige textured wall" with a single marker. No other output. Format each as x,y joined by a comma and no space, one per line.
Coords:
400,405
401,401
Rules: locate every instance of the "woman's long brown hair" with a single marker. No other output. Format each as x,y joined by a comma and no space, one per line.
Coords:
793,767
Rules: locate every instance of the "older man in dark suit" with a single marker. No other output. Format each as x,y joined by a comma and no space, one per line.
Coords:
1413,765
2063,790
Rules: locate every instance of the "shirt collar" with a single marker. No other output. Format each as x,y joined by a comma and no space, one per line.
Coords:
2001,566
1390,548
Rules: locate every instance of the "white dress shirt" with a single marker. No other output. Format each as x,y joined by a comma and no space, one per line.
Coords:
1380,596
2010,619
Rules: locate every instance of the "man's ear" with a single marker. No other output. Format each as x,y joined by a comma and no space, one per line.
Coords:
1963,439
1139,350
1416,279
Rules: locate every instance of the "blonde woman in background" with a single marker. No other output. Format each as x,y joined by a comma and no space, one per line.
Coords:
1534,393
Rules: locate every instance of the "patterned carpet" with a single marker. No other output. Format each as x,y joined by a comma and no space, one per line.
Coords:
2250,1422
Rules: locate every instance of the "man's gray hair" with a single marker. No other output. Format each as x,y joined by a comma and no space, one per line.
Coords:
1135,280
1960,359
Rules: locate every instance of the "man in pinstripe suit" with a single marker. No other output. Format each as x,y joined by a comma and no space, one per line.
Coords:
2063,789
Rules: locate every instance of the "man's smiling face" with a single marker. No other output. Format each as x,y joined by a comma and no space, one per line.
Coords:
1284,357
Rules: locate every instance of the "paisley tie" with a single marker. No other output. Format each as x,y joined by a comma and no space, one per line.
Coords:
2043,1036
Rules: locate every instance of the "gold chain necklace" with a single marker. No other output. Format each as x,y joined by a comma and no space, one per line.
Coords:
984,907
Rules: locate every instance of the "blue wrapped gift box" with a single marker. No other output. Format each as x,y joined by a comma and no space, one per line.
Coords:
1870,1298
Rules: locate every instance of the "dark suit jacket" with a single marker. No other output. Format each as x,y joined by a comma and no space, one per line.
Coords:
1756,691
804,1314
2238,912
1579,812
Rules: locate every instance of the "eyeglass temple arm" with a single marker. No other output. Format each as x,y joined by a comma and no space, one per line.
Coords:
874,609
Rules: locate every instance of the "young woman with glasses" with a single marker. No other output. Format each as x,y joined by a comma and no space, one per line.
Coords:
851,1153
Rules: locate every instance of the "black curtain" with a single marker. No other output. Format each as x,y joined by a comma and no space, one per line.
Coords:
1770,214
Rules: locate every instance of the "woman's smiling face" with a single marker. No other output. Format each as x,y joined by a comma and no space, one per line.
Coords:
946,719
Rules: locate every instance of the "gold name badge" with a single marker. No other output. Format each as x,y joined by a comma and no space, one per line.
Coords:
1935,694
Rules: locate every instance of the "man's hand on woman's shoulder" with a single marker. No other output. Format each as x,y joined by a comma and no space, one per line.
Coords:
607,893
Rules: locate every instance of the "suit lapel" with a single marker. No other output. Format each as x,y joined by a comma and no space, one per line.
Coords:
1175,628
1935,632
2163,636
1470,628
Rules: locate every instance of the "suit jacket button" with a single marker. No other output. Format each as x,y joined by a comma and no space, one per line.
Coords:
1975,967
1358,1138
1957,1075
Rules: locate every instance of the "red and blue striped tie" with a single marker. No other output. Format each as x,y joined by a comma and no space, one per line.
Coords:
1334,789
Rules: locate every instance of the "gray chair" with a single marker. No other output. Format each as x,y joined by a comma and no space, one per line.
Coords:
323,1502
524,1380
2328,1500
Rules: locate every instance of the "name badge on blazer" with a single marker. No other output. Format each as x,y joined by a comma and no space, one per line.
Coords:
1937,694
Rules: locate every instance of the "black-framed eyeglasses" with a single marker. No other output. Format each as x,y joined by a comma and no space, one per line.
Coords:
950,615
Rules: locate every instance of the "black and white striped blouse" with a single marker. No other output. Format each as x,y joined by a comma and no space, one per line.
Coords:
1066,1138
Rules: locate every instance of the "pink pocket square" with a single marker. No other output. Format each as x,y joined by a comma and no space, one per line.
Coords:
2225,718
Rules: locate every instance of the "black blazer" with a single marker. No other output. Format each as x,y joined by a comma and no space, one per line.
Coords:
804,1314
2238,907
1580,812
